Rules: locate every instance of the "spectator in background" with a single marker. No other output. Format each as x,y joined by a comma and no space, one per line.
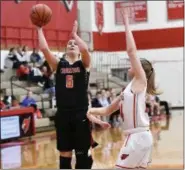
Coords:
49,71
114,116
23,72
104,102
49,86
7,99
28,100
22,58
15,103
96,100
37,113
36,76
35,56
25,53
11,60
163,103
149,106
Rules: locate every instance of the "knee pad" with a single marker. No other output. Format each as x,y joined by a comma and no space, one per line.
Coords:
65,163
83,159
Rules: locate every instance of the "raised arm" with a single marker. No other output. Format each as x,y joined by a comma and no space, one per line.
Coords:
50,58
132,50
103,111
86,58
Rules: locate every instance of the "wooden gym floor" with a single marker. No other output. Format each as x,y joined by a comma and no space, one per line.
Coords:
41,151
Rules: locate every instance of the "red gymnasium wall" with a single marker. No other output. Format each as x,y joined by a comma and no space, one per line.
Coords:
16,27
145,39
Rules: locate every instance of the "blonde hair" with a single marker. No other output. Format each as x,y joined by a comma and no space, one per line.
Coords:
150,75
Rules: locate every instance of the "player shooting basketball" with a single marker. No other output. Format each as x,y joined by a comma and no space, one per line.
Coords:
72,77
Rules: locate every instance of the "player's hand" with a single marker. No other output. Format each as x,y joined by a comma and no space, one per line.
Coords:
75,29
124,14
105,125
81,44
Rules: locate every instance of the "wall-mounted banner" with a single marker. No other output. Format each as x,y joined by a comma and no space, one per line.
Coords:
175,9
99,15
137,11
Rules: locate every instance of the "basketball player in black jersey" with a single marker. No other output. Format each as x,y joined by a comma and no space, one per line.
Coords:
72,77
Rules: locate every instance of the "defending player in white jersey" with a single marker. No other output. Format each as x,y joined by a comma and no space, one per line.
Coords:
137,147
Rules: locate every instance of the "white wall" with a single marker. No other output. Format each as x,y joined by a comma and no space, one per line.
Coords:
168,64
157,18
85,21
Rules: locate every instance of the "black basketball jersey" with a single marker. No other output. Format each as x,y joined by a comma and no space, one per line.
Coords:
71,85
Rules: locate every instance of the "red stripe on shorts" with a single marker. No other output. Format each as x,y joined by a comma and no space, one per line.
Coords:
127,140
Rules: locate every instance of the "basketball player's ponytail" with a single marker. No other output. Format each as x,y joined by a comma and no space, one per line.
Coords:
150,75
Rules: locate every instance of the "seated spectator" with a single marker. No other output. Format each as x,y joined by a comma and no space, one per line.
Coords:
11,60
15,103
35,56
104,100
96,100
48,82
45,63
36,76
28,100
25,53
7,99
23,72
20,55
37,113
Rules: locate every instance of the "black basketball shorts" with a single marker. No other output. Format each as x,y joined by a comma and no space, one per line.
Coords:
73,131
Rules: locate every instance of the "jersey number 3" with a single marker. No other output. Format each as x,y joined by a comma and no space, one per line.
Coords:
69,81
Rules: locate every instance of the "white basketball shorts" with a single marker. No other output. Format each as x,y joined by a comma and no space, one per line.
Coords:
136,151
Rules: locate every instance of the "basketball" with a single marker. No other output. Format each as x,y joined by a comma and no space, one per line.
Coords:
40,15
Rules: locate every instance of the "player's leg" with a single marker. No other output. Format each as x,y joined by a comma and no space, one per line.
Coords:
126,159
83,141
65,160
147,150
64,145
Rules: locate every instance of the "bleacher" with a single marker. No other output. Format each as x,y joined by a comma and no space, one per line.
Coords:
44,102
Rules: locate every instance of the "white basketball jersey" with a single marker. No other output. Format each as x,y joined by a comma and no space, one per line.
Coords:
132,109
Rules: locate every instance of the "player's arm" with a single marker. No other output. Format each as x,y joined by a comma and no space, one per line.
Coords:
103,111
132,50
86,58
50,58
93,119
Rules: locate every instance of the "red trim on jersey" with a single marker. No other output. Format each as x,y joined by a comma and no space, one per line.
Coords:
127,139
134,110
129,168
121,111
